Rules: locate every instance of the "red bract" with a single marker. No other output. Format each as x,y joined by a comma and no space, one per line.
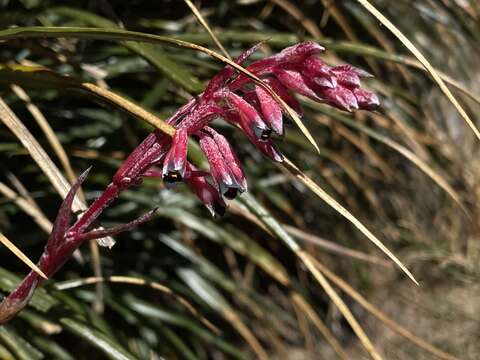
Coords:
349,79
367,100
232,96
319,72
340,97
297,53
284,94
296,82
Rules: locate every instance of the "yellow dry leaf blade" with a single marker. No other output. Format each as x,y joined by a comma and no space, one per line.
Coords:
37,153
72,284
342,307
413,49
392,324
291,167
18,253
204,23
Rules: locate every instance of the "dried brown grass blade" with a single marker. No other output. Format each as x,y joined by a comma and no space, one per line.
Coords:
37,152
204,23
292,168
18,253
70,284
399,329
365,147
129,107
22,190
311,238
49,133
413,49
319,324
243,330
36,214
334,247
367,344
307,23
411,156
343,23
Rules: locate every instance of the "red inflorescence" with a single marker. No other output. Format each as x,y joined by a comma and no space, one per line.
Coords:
230,96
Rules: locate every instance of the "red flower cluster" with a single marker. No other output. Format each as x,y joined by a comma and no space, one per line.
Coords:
230,96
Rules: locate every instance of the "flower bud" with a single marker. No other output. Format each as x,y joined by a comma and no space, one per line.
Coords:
295,81
265,146
366,100
346,76
298,52
314,69
340,97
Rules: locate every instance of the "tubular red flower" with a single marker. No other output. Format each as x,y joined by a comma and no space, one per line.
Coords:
250,119
207,193
204,112
229,157
223,176
271,110
174,164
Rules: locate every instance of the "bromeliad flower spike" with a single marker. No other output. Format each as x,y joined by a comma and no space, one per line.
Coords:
230,96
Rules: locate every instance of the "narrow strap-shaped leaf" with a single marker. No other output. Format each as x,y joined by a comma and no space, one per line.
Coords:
413,49
110,347
169,68
18,253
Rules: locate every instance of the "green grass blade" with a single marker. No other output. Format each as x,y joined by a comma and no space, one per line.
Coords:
109,347
169,68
